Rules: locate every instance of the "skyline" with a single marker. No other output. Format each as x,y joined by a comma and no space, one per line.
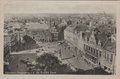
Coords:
25,7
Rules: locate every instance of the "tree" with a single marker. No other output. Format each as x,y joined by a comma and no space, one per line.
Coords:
51,64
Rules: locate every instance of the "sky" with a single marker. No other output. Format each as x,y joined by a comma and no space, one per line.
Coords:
24,7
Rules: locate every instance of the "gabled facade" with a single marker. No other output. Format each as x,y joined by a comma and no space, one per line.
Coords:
92,50
101,55
93,47
55,33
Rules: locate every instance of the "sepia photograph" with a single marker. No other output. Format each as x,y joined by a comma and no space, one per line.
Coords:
59,38
60,43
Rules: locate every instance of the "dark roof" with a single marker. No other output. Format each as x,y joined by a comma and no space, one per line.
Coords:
102,38
80,27
110,45
107,43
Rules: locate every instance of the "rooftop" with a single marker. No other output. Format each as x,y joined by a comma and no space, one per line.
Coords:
106,43
37,26
15,25
70,29
110,45
80,27
62,24
77,28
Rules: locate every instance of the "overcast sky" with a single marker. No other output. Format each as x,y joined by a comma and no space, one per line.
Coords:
59,7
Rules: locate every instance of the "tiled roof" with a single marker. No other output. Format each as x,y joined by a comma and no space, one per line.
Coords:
110,45
70,29
106,43
77,28
80,27
37,26
102,38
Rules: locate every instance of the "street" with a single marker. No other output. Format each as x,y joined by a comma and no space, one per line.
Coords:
65,54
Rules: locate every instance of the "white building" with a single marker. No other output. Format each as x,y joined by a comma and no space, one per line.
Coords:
99,50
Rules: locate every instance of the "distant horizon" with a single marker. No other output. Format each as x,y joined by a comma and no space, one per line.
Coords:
49,14
25,7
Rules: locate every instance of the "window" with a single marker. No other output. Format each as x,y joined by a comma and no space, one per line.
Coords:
94,52
88,48
100,53
84,47
107,57
97,54
91,50
111,58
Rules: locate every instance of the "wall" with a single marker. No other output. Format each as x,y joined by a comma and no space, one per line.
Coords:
108,61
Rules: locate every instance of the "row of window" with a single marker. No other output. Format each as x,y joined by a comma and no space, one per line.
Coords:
92,51
94,60
108,57
97,53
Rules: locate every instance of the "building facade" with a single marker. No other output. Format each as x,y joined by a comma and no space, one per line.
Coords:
55,33
94,48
